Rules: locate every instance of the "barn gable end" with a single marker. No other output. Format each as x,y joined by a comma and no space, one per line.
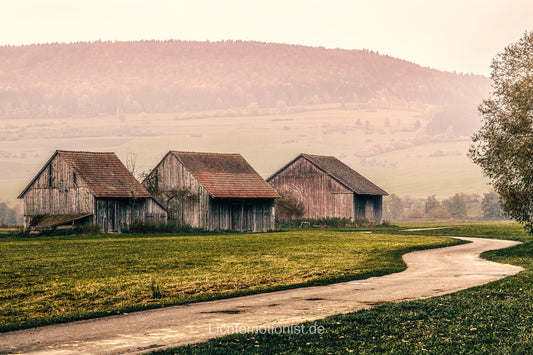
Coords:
79,187
182,195
213,191
57,190
329,188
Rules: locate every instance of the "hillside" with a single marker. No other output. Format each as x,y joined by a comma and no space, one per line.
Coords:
403,126
88,79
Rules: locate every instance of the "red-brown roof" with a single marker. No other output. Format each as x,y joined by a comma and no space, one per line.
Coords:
104,174
225,175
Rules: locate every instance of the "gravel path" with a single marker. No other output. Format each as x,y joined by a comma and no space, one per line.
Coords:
429,273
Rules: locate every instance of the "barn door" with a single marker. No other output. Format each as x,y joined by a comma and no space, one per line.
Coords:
236,217
111,213
369,210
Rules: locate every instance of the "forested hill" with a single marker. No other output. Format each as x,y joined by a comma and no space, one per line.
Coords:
87,79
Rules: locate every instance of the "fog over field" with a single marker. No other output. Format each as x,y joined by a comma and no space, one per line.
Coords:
404,126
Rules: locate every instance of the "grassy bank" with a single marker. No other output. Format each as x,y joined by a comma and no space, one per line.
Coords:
46,280
496,318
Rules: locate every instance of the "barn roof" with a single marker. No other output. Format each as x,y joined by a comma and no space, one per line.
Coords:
225,175
340,172
104,174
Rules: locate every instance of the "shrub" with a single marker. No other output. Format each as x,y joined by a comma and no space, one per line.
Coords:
439,212
87,228
416,213
22,232
288,208
327,222
151,227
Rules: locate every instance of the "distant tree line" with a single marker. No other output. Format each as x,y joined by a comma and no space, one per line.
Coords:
10,215
88,79
459,206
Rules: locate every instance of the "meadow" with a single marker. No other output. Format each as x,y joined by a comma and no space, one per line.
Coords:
384,145
496,318
46,280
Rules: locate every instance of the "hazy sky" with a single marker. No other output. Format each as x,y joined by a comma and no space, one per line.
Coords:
461,35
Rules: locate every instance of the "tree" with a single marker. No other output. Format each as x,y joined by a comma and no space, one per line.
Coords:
393,207
434,209
490,205
503,146
4,209
408,202
456,205
9,215
431,203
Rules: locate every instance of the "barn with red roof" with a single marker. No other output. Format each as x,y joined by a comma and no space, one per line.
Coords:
213,191
87,187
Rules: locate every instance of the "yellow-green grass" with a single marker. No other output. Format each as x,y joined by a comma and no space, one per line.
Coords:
6,231
55,279
496,318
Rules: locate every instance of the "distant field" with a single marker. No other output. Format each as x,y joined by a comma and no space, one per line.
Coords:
389,150
52,279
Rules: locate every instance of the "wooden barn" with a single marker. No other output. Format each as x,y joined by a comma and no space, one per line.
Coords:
329,188
83,187
213,191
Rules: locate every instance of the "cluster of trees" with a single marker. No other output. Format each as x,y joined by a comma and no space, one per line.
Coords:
460,206
87,79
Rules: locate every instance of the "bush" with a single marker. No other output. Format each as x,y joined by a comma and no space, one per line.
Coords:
151,227
87,228
439,212
331,222
288,208
21,232
416,213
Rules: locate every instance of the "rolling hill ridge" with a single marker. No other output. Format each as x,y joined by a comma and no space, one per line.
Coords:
88,79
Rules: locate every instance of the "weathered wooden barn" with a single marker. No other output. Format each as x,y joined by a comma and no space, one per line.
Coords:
213,191
84,187
329,188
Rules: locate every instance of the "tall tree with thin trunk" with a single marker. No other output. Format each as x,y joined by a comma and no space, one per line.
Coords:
503,147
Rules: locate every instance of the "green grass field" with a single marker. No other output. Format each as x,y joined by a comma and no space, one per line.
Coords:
46,280
496,318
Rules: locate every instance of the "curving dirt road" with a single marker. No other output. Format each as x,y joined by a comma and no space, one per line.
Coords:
429,273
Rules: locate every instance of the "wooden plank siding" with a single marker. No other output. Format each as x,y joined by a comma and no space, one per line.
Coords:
196,207
58,193
192,208
114,215
241,215
59,189
321,195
